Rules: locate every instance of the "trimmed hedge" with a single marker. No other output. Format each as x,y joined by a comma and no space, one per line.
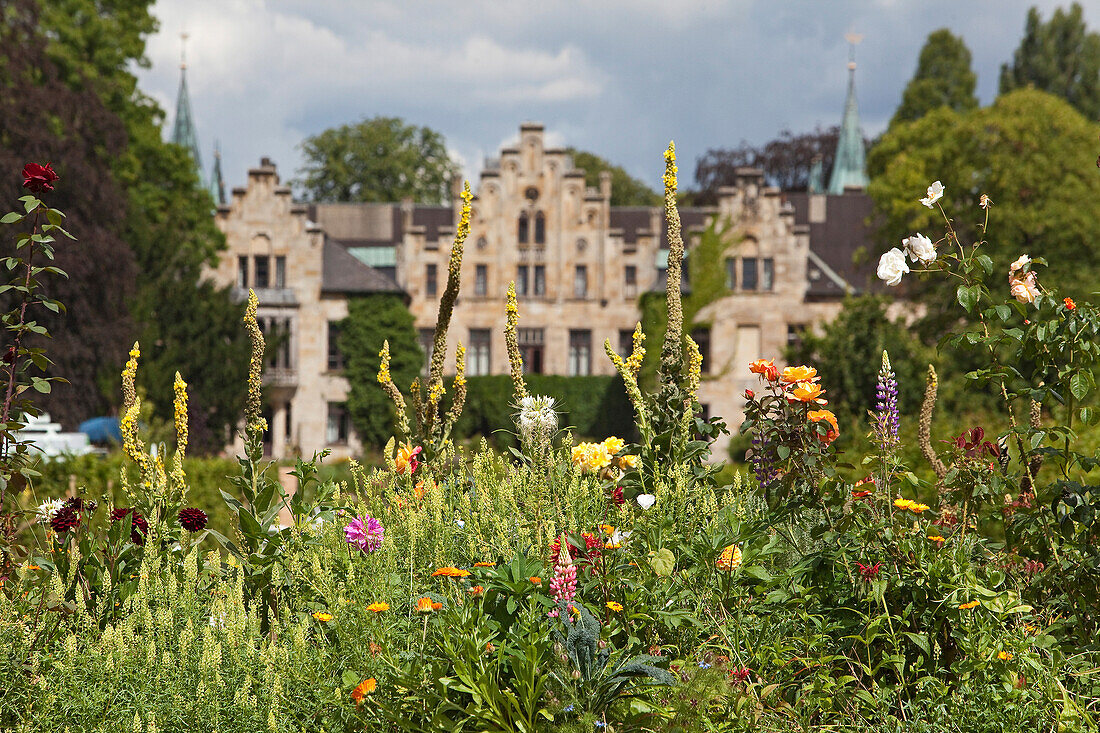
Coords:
594,407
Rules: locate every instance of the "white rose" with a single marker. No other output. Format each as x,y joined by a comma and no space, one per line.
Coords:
935,193
920,249
645,501
891,266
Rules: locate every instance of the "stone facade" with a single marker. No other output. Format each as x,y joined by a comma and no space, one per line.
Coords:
579,264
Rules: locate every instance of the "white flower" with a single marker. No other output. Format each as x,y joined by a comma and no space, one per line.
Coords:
920,249
460,523
645,501
891,266
1021,262
537,419
984,201
935,193
48,508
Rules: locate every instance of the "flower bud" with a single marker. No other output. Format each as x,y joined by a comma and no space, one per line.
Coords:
576,674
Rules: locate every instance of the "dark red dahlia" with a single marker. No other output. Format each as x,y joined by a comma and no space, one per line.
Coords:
80,505
39,178
193,520
138,526
64,519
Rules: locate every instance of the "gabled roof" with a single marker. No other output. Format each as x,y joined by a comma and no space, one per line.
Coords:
342,273
841,248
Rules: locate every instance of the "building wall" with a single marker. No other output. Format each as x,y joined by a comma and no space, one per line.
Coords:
262,220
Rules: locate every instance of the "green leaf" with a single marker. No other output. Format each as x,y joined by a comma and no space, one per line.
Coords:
1078,386
663,562
11,217
921,641
968,296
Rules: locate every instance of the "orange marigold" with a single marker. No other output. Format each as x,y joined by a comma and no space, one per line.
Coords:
616,607
322,616
437,606
363,689
379,607
424,605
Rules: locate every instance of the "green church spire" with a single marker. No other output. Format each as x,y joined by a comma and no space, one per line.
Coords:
217,185
183,129
850,162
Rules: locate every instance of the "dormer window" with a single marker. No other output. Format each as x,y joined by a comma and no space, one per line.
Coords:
521,230
540,228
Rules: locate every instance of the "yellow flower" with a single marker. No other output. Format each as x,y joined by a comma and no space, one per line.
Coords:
322,616
904,503
613,444
616,607
379,607
729,559
1004,656
799,374
591,456
918,508
627,461
405,460
968,606
807,392
485,564
937,538
450,572
607,529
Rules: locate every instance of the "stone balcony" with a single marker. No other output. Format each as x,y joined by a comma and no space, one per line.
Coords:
268,296
281,377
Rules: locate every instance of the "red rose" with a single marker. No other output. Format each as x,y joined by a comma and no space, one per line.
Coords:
749,394
39,178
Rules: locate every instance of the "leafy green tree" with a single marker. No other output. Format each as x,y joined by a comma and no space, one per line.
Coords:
379,159
183,324
626,190
943,79
1060,56
371,320
1030,152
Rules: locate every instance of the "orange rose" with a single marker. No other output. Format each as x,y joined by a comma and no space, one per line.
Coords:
799,374
828,417
1070,305
762,366
808,392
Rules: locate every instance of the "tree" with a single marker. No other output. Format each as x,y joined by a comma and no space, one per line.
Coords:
371,320
943,79
1030,152
380,159
1061,57
626,190
44,119
786,161
182,323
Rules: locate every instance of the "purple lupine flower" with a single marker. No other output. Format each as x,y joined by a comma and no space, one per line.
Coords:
762,462
887,418
365,533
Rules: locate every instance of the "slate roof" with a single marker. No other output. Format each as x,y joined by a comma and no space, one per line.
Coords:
343,273
841,246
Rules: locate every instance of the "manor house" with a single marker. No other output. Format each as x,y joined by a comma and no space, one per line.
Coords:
579,265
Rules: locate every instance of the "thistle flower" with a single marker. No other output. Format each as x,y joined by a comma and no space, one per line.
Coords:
887,418
537,420
365,533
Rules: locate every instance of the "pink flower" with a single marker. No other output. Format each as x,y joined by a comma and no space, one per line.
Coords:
563,586
365,533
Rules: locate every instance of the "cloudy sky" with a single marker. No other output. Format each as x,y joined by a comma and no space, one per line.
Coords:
617,77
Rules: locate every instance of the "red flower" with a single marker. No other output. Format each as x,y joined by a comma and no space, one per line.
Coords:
1070,305
39,178
193,520
79,505
138,526
860,494
740,675
869,571
617,496
749,394
65,519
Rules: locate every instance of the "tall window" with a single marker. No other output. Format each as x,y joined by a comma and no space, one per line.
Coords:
431,279
580,353
748,273
336,429
521,280
426,337
701,337
540,281
767,274
540,228
263,271
481,280
580,282
521,228
477,357
630,280
242,272
531,342
335,356
731,273
280,272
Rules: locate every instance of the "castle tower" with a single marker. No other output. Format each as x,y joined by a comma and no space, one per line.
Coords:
850,162
183,129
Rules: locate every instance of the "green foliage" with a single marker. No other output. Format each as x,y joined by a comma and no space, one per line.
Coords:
1028,152
594,407
1060,57
943,79
377,159
626,190
848,352
371,320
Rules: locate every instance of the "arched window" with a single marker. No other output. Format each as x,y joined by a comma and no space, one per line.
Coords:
521,234
540,228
